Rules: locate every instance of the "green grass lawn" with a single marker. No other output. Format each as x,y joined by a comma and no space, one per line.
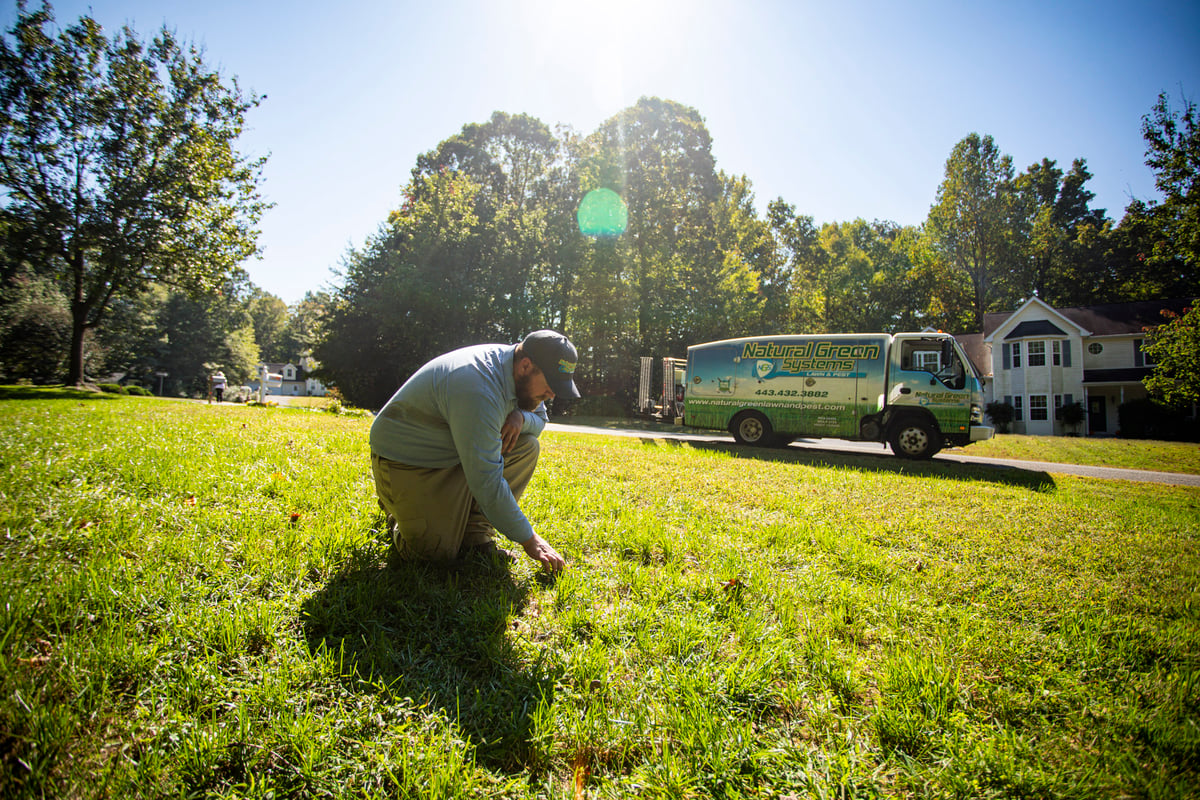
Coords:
1088,451
198,603
1121,453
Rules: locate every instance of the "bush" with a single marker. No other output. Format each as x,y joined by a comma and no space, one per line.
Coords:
112,388
1072,415
1147,418
34,342
1001,414
140,391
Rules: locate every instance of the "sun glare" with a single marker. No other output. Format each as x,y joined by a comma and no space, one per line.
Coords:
601,46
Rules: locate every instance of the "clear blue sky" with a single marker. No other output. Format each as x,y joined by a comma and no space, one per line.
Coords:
844,110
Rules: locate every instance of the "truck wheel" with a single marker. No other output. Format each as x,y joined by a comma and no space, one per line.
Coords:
915,438
751,427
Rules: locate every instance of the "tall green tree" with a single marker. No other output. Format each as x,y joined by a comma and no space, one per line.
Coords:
305,323
269,316
729,292
603,308
804,261
510,158
1174,347
411,293
130,340
976,223
1155,251
870,280
937,296
197,334
120,157
657,155
1173,152
1065,243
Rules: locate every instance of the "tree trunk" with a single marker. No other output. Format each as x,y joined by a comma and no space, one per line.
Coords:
75,363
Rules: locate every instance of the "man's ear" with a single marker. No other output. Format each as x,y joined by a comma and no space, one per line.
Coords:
524,366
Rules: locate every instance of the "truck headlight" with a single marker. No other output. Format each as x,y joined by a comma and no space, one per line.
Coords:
976,414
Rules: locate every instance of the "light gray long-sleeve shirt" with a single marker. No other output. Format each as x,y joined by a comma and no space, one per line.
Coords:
450,412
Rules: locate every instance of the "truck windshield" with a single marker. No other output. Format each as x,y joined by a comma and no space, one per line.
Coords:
938,357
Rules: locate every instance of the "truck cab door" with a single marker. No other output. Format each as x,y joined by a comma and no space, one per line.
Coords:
930,374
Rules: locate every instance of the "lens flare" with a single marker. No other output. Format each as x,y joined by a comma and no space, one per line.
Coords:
602,213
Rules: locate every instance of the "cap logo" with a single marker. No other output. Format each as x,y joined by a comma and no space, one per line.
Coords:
565,366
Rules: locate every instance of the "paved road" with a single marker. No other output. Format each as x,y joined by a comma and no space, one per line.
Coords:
957,455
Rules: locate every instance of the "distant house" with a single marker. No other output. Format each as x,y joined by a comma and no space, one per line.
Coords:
1039,359
296,380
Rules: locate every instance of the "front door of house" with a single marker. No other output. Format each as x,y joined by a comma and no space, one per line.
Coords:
1098,414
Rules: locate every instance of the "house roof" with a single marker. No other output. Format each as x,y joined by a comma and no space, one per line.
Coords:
1125,375
1108,319
1035,327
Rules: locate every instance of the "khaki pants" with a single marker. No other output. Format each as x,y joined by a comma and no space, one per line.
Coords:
431,512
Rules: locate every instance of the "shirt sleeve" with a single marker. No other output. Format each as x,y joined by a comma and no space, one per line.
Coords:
475,416
535,421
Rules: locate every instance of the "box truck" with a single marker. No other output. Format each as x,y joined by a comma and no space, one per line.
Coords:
915,391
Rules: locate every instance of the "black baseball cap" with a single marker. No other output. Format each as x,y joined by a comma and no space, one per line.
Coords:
555,356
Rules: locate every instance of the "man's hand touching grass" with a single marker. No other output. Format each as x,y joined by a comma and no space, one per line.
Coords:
540,550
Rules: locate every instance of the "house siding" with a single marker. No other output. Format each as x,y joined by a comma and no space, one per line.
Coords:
1115,328
295,382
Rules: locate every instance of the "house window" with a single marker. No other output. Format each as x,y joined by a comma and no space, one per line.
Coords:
1018,412
1056,348
1016,355
1140,358
928,360
1037,354
1038,409
1095,348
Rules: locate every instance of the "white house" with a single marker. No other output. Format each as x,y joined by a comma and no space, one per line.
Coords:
296,381
1043,358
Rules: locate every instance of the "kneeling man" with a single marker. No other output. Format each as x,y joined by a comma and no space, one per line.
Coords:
454,448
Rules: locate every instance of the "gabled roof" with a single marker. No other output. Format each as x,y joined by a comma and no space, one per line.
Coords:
1114,319
1035,327
1107,319
1032,310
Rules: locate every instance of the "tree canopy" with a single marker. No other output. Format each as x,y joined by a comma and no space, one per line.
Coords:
486,246
119,163
127,208
1174,348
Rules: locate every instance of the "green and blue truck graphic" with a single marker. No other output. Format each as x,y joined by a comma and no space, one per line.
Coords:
915,391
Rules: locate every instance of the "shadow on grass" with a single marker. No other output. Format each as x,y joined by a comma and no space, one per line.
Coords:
438,635
1034,480
625,424
51,393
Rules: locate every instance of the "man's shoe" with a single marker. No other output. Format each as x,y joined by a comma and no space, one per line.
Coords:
488,550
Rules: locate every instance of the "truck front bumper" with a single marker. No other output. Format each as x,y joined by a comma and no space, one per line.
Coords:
980,433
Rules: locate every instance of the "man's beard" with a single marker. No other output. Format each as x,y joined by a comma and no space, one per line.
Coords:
526,401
